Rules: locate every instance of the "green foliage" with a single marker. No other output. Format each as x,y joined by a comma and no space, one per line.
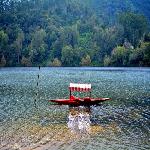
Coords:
120,56
142,7
86,61
141,55
3,61
18,44
107,61
56,63
26,62
38,46
49,32
146,51
135,27
147,37
109,9
107,39
3,41
69,56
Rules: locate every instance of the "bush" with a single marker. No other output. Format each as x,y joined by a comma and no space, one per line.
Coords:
86,61
56,63
107,61
3,61
26,62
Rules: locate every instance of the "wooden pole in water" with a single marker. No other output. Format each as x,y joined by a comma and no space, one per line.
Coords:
37,88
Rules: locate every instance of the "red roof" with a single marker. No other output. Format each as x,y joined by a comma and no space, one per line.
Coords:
80,87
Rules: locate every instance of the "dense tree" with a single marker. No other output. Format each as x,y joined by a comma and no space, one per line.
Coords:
74,33
107,39
3,42
69,56
86,61
26,62
107,61
135,27
38,46
146,58
56,63
3,61
141,55
18,43
120,56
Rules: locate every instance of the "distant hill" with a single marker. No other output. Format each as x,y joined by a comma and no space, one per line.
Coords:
108,9
142,6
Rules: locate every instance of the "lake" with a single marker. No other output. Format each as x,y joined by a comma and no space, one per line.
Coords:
29,121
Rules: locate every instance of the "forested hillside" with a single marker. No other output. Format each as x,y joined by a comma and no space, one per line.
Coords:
74,33
142,6
109,9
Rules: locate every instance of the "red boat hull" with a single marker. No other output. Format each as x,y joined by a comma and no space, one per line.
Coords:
80,101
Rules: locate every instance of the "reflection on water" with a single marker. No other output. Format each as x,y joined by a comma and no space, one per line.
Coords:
79,119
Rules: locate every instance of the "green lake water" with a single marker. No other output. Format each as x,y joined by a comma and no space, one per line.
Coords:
120,124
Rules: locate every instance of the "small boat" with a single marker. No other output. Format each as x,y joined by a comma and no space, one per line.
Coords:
76,101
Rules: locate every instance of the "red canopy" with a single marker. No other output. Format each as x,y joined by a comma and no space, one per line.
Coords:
80,87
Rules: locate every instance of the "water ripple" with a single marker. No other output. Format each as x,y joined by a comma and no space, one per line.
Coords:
123,123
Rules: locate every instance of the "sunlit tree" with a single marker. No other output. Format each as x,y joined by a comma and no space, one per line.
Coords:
56,63
86,61
3,61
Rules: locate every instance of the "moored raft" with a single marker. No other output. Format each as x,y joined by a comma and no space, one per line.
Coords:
77,101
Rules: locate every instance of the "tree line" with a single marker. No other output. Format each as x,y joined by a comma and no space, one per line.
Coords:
52,33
